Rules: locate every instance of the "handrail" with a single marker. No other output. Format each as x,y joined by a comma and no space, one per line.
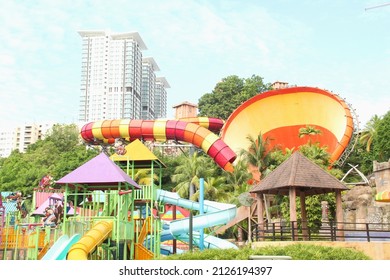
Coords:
330,231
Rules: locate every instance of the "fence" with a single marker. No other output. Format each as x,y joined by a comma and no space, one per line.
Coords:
331,231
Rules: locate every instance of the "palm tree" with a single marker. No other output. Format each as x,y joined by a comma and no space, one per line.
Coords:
213,189
189,171
308,131
237,178
369,132
316,153
258,154
143,177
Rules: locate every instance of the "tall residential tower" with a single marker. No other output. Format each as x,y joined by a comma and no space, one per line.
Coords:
148,88
160,98
111,75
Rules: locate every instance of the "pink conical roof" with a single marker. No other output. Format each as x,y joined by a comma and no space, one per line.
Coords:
99,171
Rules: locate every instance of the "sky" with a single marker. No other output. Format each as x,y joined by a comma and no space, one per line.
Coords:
341,46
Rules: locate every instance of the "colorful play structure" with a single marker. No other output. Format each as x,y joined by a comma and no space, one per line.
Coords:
108,216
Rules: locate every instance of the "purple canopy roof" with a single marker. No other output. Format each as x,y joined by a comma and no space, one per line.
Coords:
99,171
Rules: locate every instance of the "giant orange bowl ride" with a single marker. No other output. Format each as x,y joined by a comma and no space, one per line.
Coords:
279,114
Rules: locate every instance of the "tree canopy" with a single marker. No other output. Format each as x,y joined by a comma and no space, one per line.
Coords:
382,145
228,94
59,153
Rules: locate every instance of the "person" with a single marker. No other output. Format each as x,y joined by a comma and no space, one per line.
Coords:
50,218
46,181
59,211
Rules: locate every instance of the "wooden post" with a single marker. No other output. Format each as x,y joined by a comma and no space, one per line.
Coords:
260,214
339,215
293,211
304,216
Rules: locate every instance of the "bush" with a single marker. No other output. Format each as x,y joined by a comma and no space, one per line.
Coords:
295,251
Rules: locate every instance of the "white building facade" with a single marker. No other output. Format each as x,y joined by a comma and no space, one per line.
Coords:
148,88
111,71
160,98
21,137
116,81
6,142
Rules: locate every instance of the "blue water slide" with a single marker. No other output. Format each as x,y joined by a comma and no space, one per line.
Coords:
61,248
215,213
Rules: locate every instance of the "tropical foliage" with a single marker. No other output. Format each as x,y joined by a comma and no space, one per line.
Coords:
58,154
258,154
369,132
382,145
228,94
187,174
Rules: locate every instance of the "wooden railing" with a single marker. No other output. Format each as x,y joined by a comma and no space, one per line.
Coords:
331,231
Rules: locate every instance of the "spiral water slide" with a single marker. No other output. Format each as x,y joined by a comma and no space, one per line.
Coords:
279,114
215,213
197,131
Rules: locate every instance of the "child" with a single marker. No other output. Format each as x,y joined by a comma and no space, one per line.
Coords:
50,218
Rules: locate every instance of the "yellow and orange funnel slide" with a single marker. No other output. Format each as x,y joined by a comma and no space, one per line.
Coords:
90,241
279,114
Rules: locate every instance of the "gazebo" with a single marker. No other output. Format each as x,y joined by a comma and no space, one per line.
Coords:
298,176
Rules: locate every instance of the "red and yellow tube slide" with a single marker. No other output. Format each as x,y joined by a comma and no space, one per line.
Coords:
162,130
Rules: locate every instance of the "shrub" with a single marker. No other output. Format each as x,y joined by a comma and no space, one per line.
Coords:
295,251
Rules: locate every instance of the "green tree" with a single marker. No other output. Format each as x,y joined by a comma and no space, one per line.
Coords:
189,171
171,162
277,157
228,94
65,137
213,189
369,133
57,154
143,177
363,159
237,181
258,154
317,153
382,145
308,131
313,209
373,145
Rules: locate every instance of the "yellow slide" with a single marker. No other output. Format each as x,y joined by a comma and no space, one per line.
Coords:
92,239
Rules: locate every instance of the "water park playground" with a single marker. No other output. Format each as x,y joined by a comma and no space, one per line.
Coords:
105,215
116,219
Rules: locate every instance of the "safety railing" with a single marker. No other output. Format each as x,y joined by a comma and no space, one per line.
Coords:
330,231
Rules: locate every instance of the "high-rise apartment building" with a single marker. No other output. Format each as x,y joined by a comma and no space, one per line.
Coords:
6,142
160,98
111,70
26,135
20,137
115,78
148,88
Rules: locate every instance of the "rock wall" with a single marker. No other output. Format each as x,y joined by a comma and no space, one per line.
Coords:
359,202
382,175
